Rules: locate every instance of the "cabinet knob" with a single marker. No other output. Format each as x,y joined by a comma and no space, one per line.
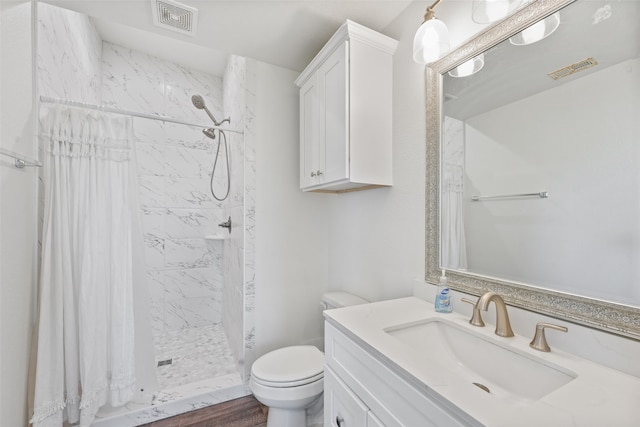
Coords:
339,421
318,173
313,174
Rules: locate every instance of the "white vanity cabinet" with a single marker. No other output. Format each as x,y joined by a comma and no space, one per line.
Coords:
346,112
342,407
362,391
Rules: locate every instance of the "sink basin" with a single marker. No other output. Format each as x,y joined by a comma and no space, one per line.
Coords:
496,369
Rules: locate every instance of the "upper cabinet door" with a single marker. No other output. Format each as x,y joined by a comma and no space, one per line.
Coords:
334,138
309,133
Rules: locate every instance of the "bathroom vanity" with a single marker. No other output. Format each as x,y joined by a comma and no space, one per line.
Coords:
363,389
399,363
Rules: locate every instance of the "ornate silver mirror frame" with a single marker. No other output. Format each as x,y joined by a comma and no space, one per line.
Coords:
611,317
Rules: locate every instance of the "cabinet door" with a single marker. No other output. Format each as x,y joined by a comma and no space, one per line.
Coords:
334,127
342,408
373,421
309,149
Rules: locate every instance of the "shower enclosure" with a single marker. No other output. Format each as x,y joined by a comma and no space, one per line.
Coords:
198,274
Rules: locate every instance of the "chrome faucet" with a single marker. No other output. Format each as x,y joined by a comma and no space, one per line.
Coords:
503,326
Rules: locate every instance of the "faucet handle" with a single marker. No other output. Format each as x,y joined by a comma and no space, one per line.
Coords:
476,317
539,341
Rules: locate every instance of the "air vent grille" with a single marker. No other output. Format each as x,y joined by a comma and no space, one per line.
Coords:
174,16
573,68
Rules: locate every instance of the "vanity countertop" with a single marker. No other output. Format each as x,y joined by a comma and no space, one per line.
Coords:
597,396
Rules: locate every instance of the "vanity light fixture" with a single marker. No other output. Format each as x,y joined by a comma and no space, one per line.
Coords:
488,11
431,41
538,31
468,68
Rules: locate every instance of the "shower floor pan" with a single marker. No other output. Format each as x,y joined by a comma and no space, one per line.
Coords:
194,354
202,372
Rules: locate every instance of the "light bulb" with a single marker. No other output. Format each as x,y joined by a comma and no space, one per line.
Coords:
431,41
488,11
469,67
538,31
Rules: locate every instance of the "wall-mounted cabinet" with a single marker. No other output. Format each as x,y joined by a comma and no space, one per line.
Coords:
346,112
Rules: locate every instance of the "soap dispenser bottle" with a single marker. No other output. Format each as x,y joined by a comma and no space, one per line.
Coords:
443,298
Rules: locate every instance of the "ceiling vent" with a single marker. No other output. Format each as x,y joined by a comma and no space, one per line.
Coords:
174,16
573,68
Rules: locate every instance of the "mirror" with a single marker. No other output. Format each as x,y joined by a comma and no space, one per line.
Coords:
533,163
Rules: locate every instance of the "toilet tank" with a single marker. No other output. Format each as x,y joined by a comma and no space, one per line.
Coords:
339,299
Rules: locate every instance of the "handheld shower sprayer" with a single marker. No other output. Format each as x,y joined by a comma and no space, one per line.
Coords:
198,102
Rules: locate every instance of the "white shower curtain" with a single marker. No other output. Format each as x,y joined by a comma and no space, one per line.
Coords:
86,333
453,247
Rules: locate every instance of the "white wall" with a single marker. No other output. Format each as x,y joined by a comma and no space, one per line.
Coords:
291,226
17,222
370,243
376,238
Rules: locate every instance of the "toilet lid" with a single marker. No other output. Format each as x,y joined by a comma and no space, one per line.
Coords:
289,366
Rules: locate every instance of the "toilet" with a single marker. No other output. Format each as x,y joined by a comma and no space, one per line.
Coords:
290,379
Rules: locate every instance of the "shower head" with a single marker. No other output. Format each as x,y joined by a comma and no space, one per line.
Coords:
198,102
210,132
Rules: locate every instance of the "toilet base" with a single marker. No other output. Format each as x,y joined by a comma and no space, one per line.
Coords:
286,417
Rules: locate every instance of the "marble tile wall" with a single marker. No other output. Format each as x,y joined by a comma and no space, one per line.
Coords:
139,82
68,55
232,313
249,205
185,271
68,52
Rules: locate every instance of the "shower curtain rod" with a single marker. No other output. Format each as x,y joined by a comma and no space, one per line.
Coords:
20,161
50,100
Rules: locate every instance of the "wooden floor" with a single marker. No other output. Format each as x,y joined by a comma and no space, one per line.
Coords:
243,412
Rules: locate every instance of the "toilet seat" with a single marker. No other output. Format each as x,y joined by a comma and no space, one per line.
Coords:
286,384
289,367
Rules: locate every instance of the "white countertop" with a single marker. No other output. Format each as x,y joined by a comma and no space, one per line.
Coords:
598,396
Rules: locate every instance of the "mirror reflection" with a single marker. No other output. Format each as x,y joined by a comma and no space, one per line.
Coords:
540,159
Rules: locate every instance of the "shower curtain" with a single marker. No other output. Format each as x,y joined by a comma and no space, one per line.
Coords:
453,247
86,353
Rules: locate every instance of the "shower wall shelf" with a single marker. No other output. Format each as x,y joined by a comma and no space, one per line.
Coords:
346,113
213,238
